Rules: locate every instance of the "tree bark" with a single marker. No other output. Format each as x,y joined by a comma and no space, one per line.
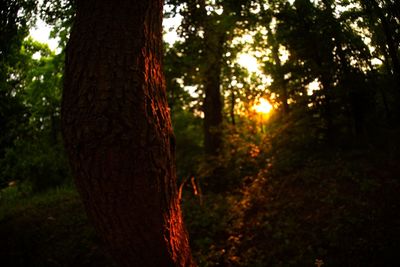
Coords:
214,47
213,105
117,132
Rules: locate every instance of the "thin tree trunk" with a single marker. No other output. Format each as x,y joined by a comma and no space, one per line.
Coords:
232,109
118,134
282,84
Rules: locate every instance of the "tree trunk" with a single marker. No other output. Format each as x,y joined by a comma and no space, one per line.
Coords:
212,106
118,134
232,108
280,77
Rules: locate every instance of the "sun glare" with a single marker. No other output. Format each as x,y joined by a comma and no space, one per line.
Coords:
248,61
263,106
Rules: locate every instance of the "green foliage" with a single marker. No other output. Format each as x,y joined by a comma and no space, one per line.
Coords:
208,221
188,136
35,152
60,15
14,22
37,162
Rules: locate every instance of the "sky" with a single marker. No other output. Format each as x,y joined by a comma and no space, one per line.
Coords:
41,33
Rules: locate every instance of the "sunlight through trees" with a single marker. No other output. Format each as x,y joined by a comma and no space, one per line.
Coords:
263,106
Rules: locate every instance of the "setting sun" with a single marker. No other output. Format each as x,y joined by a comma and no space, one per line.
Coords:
263,106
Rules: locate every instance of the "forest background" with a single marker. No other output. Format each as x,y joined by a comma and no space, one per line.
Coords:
287,161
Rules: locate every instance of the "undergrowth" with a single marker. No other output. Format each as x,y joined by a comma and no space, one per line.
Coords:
47,230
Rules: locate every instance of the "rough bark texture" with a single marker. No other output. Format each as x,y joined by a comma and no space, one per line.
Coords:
117,131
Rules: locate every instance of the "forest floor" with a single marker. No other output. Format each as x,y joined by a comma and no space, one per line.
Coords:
338,206
48,230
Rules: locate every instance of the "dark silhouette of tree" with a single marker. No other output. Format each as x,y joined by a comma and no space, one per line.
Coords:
382,18
118,134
